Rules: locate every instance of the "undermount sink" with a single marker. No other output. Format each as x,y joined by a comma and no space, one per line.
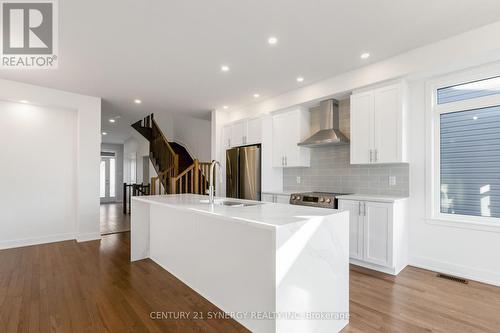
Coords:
231,203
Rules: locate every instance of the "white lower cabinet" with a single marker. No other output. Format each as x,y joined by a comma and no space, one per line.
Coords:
377,234
275,198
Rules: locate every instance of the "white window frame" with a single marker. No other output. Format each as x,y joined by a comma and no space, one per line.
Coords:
433,144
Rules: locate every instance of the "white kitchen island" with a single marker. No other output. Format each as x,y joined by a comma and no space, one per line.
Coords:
272,267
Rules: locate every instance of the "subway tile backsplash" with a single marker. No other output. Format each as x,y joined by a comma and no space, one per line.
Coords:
331,171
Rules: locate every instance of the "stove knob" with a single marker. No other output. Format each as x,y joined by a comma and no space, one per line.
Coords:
294,197
298,197
328,200
321,199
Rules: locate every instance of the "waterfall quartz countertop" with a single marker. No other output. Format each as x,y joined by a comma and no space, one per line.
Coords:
265,214
272,267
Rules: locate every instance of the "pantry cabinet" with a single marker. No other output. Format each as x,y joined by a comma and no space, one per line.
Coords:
289,128
377,234
379,125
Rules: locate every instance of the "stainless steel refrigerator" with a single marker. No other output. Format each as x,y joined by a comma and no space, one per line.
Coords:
243,172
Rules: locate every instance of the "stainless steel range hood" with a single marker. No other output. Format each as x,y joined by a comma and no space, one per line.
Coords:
329,133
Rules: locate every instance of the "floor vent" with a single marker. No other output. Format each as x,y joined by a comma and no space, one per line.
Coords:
452,278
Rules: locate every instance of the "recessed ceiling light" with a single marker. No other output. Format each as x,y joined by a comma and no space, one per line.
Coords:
104,133
112,120
272,40
224,68
475,117
23,101
256,95
300,79
225,107
137,101
365,55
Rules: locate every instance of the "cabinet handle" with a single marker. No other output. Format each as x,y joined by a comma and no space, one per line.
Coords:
364,208
359,208
376,155
371,156
282,160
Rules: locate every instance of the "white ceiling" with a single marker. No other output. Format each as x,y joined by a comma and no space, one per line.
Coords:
169,53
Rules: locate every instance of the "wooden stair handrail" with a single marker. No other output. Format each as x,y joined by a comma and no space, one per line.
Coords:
192,180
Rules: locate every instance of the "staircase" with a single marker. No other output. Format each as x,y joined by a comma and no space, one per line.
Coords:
177,171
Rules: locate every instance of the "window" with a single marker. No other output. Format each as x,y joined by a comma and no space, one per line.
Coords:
470,162
466,158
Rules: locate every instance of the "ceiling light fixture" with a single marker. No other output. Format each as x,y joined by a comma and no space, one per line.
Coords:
23,101
475,118
112,120
272,40
137,101
365,55
225,107
300,79
256,95
224,68
104,133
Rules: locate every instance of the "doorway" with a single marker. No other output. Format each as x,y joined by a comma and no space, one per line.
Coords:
108,177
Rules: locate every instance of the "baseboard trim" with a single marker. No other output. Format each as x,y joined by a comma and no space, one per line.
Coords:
374,267
478,275
88,237
10,244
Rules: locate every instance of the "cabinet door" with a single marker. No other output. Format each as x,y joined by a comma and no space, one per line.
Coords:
267,197
378,233
355,227
226,138
362,118
388,125
254,131
282,198
238,133
279,137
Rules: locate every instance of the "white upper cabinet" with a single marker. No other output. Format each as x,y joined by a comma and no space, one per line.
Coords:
243,133
254,131
290,128
226,138
378,126
362,129
238,133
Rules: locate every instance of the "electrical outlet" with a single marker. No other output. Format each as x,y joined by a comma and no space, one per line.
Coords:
392,180
298,179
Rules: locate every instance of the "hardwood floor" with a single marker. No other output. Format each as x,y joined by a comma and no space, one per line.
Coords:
93,287
113,220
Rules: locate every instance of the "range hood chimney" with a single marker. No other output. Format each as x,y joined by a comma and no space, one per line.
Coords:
329,133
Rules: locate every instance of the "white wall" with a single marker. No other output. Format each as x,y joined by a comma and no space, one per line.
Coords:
464,252
79,213
195,135
455,250
38,172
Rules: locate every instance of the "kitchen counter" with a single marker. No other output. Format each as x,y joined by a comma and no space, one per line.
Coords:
263,214
371,197
268,260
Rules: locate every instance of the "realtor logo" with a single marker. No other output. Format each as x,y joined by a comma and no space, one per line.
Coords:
29,34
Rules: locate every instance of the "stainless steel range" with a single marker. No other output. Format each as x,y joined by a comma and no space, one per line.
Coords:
316,199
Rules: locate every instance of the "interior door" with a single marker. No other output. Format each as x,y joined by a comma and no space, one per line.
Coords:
362,117
107,186
355,227
378,233
388,124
